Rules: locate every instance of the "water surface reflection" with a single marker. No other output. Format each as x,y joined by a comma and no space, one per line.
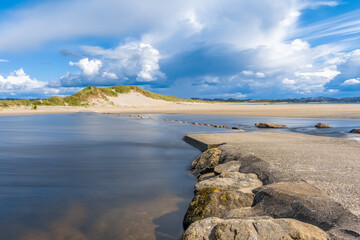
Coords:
97,176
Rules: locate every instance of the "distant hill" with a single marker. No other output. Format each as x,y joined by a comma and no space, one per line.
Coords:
289,100
90,95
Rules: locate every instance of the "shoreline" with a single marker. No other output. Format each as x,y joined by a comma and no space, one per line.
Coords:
336,111
287,192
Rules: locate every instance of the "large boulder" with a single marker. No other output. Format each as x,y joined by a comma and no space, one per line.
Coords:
306,203
232,166
355,130
270,125
322,125
206,161
212,202
228,181
253,229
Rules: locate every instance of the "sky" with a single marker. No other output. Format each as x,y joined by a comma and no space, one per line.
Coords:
188,48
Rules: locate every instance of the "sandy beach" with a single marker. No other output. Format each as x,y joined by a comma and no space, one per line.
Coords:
158,107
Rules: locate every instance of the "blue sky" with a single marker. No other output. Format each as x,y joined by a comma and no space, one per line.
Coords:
229,48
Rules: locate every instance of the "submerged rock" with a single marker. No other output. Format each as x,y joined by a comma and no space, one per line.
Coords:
232,166
269,125
212,202
355,130
322,125
252,228
206,161
227,181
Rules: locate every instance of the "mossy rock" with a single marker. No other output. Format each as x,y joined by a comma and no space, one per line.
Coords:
212,202
206,162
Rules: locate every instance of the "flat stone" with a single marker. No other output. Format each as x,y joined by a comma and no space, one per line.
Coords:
227,181
232,166
252,229
270,125
322,125
212,202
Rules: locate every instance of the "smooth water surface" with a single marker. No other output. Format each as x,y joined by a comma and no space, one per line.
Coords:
97,176
92,176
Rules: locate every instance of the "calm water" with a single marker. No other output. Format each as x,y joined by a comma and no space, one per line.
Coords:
95,176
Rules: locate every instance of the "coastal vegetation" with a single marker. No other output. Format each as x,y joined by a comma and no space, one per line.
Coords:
90,93
13,103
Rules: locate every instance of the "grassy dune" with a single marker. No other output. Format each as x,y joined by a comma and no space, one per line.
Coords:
13,103
92,93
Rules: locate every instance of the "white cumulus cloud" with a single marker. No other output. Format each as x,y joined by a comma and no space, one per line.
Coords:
131,62
352,81
88,67
19,80
18,84
253,45
133,59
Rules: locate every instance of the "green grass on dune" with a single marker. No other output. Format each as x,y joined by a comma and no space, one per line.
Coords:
87,94
53,101
83,97
13,103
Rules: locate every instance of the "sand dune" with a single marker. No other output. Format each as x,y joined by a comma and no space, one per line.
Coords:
134,102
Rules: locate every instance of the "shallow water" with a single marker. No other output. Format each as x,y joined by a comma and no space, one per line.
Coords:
97,176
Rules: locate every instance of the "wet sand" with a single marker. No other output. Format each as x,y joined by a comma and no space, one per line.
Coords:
281,110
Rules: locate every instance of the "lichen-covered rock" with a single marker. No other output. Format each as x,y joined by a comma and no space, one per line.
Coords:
253,229
270,125
206,176
212,202
232,166
322,125
228,181
355,130
206,162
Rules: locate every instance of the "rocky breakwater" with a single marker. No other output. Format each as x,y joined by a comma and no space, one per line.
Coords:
244,197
